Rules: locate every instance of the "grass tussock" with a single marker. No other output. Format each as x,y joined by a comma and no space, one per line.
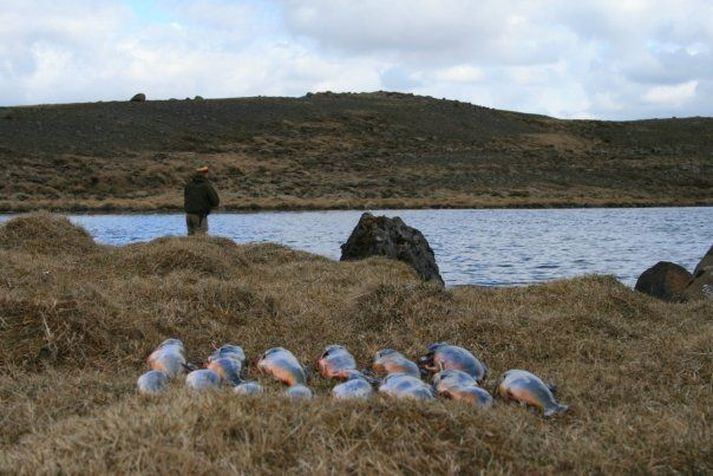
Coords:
75,330
46,234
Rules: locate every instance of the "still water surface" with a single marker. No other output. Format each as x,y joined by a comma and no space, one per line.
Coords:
483,247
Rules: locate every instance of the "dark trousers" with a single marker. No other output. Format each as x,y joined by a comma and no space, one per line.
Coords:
196,224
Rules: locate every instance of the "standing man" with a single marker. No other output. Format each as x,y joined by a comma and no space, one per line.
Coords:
199,198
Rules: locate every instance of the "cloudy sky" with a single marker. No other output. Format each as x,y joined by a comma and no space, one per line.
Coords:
607,59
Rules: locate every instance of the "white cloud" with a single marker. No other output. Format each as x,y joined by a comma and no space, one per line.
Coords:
671,95
615,59
462,73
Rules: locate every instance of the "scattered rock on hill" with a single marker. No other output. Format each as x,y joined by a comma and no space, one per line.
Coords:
391,237
140,97
706,263
665,281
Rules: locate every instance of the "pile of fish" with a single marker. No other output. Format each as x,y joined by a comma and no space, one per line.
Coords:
454,372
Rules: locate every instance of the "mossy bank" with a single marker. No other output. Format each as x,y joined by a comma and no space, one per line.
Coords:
77,320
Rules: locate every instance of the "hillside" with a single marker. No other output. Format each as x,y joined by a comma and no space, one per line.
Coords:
344,151
78,319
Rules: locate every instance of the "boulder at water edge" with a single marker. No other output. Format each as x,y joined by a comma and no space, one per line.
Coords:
140,97
391,237
701,287
706,263
665,281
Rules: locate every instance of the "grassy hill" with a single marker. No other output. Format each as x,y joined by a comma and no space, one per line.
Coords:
77,320
344,151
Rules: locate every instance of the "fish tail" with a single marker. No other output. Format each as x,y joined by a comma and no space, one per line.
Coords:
556,409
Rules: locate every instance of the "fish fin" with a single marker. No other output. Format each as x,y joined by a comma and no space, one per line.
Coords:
556,409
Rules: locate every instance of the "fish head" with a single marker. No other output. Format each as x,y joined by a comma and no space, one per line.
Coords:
270,353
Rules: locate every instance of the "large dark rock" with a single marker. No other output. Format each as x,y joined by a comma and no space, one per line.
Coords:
140,97
706,263
701,287
383,236
665,281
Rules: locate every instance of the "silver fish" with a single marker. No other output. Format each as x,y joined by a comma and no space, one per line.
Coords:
355,388
248,388
299,392
203,379
443,356
389,361
168,358
401,385
227,368
283,366
528,389
336,362
152,382
228,351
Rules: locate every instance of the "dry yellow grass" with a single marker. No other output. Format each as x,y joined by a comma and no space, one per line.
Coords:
78,319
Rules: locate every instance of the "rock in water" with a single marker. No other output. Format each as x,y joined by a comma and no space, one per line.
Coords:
391,237
140,97
706,263
665,281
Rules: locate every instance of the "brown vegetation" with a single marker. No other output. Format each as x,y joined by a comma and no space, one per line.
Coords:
344,151
76,324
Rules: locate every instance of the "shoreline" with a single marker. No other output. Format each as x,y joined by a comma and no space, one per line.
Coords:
103,210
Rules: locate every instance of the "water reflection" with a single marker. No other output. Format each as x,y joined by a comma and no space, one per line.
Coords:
484,247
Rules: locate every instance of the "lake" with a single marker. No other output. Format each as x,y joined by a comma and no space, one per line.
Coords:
482,247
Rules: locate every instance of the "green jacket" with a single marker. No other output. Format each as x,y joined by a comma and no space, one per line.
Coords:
199,196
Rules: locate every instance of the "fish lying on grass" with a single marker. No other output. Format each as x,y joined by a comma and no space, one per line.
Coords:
402,385
458,385
443,356
248,388
227,368
299,392
336,362
357,387
283,366
389,361
168,358
527,388
203,379
152,382
230,351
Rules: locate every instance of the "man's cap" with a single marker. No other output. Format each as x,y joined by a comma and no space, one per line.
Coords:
202,170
